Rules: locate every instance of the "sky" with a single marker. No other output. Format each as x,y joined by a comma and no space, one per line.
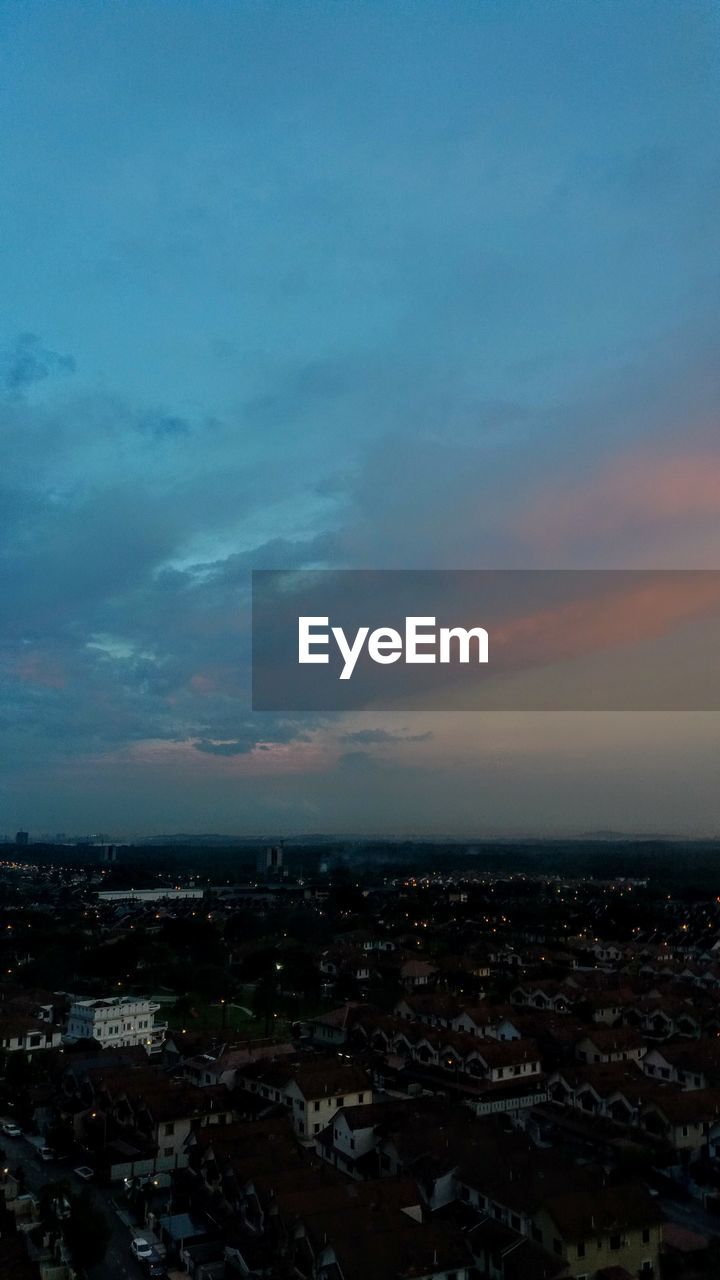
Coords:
349,284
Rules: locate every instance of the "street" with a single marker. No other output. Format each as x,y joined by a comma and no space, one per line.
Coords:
119,1263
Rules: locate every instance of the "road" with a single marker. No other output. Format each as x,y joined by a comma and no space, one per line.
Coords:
119,1263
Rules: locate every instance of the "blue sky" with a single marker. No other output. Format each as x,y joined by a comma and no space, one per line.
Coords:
364,284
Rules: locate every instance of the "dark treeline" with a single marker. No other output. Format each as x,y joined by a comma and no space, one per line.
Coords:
689,868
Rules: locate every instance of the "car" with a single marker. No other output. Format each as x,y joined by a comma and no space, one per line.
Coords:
85,1172
47,1153
141,1248
156,1269
11,1130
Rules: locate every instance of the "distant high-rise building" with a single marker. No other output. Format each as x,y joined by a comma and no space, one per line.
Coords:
270,861
21,838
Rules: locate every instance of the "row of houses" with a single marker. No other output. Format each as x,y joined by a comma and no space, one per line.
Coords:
422,1193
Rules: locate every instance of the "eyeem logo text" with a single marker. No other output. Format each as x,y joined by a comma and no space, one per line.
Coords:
421,642
561,640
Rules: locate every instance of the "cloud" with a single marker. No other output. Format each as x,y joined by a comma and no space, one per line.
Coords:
383,737
117,527
233,748
358,762
635,491
261,735
614,615
159,424
28,362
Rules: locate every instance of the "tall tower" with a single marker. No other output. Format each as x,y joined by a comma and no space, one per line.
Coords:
270,862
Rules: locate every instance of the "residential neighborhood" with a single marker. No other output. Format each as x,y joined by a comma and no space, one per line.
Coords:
447,1075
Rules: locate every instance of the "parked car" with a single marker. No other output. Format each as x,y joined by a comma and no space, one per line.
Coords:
85,1172
141,1249
11,1130
47,1153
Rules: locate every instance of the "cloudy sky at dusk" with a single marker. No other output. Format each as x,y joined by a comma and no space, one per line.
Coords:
379,285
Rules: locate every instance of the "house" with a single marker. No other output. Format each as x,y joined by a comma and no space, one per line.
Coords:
21,1033
606,1006
505,1060
332,1029
346,962
557,1034
611,1044
417,973
693,1064
368,941
466,1057
356,1231
566,1210
684,1118
385,1245
509,1097
136,1116
614,1091
493,1022
350,1141
221,1068
544,995
311,1091
688,1253
501,1254
429,1139
373,1030
606,953
240,1167
117,1020
603,1233
663,1016
46,1006
430,1008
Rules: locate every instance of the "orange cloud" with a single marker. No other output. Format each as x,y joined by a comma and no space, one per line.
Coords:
637,490
202,684
652,605
34,668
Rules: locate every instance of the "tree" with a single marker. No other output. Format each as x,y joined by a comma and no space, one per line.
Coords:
265,999
87,1230
211,982
61,1137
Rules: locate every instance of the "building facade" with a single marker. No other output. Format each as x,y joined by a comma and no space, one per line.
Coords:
119,1021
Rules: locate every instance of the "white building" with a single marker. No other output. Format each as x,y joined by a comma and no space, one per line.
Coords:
116,1022
163,894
